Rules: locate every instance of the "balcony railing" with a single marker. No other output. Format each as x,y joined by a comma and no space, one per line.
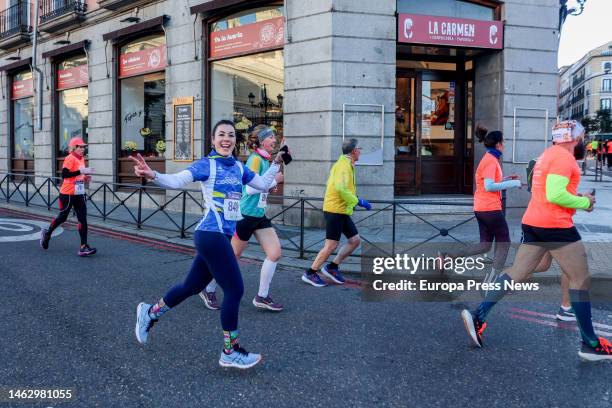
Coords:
14,20
51,9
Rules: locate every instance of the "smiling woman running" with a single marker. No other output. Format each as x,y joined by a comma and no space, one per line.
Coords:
222,178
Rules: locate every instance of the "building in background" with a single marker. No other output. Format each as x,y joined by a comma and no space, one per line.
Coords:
410,79
586,86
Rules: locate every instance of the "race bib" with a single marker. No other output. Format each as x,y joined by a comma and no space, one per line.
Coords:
231,207
79,187
263,200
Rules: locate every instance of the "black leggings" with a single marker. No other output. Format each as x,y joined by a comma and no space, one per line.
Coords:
67,202
214,259
492,226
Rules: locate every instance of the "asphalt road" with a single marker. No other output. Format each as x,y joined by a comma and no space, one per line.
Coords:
68,322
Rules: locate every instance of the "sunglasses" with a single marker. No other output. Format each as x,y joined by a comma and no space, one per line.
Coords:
81,146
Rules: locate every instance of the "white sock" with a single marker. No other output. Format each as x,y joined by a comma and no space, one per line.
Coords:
212,286
567,309
265,277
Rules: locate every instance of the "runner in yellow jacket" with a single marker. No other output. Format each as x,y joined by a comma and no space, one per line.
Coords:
338,205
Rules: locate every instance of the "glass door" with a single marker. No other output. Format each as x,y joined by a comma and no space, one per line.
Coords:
407,165
440,134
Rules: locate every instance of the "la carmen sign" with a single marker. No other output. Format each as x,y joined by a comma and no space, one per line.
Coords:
455,32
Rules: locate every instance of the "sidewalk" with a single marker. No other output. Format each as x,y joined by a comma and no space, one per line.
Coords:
421,224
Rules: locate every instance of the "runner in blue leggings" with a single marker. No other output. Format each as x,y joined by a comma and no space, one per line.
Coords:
222,178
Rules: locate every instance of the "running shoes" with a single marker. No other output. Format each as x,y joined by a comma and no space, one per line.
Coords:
333,274
267,303
603,351
44,238
313,279
86,250
239,358
473,326
210,300
566,315
143,322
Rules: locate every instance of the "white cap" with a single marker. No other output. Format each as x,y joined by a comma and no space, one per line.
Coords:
567,131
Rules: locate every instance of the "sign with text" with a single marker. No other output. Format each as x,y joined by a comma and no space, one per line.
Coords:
74,77
420,29
183,128
143,61
22,88
253,37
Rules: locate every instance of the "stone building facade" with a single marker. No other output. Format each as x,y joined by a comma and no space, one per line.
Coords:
410,79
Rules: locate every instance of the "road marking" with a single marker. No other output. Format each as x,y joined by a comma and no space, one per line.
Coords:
550,316
24,225
555,323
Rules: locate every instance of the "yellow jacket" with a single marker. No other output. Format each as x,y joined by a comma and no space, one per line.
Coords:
341,193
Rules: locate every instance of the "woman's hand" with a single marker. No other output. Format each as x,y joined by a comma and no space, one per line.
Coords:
279,157
141,168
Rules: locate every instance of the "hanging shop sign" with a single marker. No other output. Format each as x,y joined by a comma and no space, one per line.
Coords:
22,88
73,77
457,32
253,37
141,62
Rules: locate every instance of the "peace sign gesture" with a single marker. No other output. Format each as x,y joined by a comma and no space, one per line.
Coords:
141,168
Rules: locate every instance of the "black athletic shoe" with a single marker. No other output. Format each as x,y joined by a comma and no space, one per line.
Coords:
603,351
473,326
85,250
44,238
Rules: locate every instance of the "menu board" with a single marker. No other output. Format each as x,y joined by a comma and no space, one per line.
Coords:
183,128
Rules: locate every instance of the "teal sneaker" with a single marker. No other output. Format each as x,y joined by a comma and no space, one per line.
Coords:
239,358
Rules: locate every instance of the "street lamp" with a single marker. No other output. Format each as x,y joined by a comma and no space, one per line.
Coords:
574,11
280,98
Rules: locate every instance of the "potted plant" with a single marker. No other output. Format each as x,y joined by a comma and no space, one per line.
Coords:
160,147
130,147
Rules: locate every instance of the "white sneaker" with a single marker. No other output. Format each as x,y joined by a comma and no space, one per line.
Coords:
143,322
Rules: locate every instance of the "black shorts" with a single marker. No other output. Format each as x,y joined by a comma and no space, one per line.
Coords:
248,225
337,224
552,238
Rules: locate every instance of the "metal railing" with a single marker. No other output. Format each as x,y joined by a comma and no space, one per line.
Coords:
14,19
167,210
50,9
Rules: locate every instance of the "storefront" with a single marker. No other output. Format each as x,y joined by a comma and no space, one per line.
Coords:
70,97
438,46
246,69
22,122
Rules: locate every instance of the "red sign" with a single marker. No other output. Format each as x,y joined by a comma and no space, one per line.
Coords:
142,62
22,89
418,29
248,38
72,77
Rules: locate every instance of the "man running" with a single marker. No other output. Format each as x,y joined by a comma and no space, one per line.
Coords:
548,226
72,195
340,200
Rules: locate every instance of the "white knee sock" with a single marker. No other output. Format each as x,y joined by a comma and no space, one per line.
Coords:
265,277
212,286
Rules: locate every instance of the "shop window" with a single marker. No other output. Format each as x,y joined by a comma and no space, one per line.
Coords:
247,71
142,90
22,129
72,78
250,91
447,8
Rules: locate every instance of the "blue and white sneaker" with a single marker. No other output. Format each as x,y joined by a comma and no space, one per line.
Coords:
239,358
143,322
566,315
333,274
314,280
